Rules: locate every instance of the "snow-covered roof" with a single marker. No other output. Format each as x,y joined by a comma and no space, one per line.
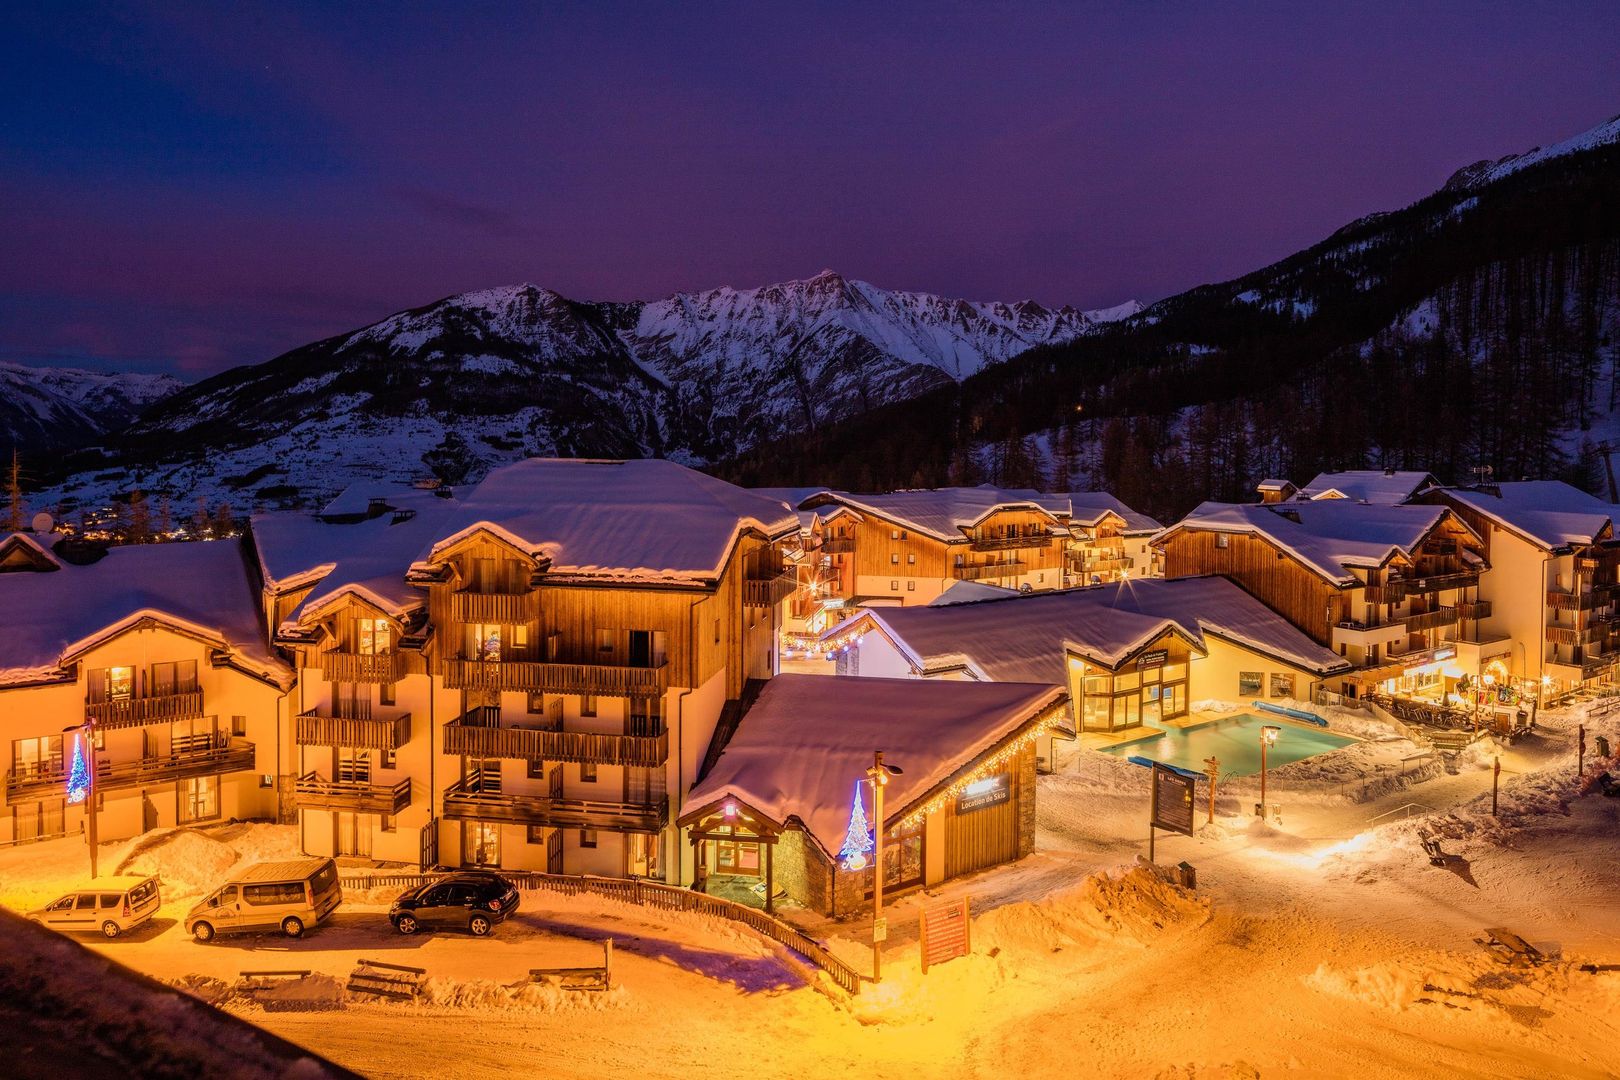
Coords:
1550,513
368,559
36,552
1087,507
1024,638
800,749
944,513
1384,487
1328,536
643,520
357,499
202,587
966,592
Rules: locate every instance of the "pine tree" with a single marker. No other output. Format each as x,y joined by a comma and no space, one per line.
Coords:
140,519
224,524
14,497
200,520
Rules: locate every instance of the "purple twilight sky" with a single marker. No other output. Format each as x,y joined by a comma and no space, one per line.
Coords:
185,190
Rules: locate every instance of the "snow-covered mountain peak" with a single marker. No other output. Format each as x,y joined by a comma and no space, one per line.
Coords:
1484,172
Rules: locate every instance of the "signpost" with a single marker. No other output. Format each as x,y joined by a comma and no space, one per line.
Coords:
945,930
1172,804
1212,769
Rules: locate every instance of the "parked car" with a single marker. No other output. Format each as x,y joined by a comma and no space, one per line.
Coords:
110,907
290,896
476,899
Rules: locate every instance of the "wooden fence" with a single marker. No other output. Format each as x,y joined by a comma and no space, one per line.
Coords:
652,894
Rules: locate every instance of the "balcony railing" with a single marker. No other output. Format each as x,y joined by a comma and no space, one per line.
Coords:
150,709
1431,620
607,680
1006,568
837,545
314,792
507,608
463,801
313,729
226,757
768,592
338,666
1474,609
1007,543
479,733
1397,589
1562,600
1569,635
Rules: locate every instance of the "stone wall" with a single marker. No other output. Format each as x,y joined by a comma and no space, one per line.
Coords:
1025,785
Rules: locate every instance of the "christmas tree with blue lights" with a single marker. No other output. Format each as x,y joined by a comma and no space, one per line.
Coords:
78,781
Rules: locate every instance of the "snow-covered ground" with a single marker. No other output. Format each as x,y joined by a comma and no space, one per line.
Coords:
1323,945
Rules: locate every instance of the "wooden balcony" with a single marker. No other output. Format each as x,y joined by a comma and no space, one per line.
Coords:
464,802
768,592
606,680
314,792
226,757
1431,620
1562,600
837,545
1570,635
1006,568
1397,589
151,709
1008,543
1474,609
479,733
385,733
506,608
388,667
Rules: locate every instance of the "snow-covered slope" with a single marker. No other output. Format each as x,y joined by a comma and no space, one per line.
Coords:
491,376
1481,173
43,409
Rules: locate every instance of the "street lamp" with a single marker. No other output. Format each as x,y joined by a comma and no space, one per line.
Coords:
1268,739
855,858
88,795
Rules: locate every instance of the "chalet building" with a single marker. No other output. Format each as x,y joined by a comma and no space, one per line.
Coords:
1275,491
768,820
1549,600
1380,487
820,559
155,653
1131,653
1388,588
1108,541
521,677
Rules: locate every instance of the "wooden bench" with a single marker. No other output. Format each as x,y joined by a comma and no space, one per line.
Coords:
1510,948
1431,848
579,978
394,981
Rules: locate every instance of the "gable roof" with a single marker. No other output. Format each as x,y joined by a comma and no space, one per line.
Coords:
1328,536
1024,638
200,587
1549,513
646,520
1087,507
1379,486
368,559
31,551
944,513
800,749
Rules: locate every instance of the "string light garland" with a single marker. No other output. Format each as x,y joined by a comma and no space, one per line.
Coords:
1042,726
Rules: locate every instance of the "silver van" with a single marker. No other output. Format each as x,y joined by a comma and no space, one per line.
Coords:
287,896
110,907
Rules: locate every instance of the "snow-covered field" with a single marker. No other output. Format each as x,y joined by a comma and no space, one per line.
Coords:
1323,945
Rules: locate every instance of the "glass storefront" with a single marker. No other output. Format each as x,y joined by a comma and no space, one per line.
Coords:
1149,690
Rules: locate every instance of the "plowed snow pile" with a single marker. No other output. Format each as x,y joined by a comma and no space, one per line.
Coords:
188,863
1137,905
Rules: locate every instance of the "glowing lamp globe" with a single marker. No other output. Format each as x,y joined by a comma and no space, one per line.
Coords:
1269,733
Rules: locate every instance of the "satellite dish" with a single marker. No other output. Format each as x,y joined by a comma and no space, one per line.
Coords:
43,522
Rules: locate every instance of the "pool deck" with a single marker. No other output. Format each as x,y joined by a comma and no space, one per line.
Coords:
1108,740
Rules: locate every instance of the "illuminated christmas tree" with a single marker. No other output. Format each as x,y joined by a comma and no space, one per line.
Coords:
78,781
858,839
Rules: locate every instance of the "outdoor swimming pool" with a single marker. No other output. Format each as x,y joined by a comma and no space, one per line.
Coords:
1235,740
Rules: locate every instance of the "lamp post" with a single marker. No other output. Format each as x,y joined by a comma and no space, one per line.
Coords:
89,730
1268,738
854,858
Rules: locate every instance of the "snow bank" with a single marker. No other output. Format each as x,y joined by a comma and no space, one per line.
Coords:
485,995
187,863
1385,986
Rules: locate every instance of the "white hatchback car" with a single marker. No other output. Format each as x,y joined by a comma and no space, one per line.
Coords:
110,907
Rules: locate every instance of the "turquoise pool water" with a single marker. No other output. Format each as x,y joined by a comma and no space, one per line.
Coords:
1235,740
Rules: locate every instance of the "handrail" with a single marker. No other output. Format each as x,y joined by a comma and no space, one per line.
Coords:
655,894
1408,807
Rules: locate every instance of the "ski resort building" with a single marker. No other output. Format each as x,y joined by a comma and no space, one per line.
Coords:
1108,540
147,664
1390,588
769,819
522,677
1380,487
1549,600
1130,653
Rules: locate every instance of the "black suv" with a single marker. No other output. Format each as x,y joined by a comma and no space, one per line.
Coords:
474,899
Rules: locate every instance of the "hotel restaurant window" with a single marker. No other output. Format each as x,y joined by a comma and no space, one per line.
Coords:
1250,683
1282,685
